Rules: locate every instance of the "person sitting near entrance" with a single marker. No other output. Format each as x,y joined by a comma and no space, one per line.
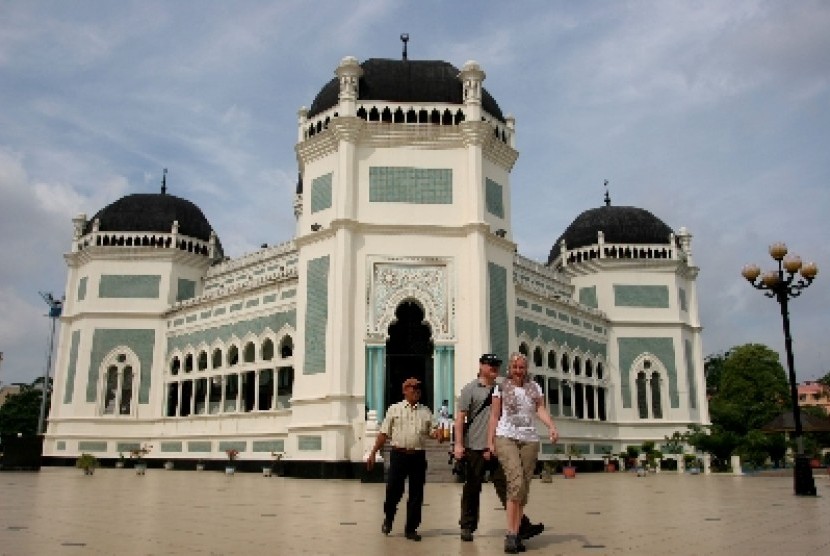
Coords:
407,424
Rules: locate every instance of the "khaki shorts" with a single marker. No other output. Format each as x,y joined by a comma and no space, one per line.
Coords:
518,459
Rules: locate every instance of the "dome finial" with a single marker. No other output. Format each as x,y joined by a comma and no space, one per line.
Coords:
164,182
607,196
405,39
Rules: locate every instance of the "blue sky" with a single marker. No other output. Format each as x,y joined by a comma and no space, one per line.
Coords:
712,115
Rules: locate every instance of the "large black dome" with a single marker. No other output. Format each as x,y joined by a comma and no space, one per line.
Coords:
152,212
405,81
619,224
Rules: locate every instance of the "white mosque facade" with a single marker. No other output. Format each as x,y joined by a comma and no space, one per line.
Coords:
402,264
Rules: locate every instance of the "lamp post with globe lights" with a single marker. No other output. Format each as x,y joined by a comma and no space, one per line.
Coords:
782,285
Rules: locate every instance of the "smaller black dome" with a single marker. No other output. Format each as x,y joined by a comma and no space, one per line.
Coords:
405,81
152,212
619,224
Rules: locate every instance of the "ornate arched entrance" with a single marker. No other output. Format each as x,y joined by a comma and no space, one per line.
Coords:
409,353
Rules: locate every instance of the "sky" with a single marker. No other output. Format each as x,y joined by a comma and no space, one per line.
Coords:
714,116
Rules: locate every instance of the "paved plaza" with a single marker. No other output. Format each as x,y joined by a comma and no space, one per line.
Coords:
60,511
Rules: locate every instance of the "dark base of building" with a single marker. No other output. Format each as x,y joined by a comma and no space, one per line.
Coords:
294,468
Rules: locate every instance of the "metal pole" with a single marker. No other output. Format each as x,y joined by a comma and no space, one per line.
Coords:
803,481
47,372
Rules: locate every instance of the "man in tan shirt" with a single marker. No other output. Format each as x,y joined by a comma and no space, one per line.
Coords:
407,424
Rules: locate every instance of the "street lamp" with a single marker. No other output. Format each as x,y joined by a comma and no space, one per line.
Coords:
781,285
55,307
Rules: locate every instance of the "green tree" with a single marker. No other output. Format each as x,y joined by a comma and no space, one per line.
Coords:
825,379
20,412
748,388
752,390
713,370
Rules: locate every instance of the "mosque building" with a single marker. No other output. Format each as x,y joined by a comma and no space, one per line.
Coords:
402,264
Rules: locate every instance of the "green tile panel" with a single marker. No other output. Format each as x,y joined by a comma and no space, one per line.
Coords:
428,186
690,373
127,447
316,318
92,446
681,294
168,447
661,348
199,446
238,445
560,337
104,340
494,197
309,443
270,298
268,446
497,277
82,288
320,197
239,329
649,297
588,297
186,289
69,386
122,286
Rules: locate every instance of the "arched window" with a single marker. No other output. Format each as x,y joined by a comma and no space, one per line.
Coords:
642,401
119,383
537,357
577,366
202,361
233,356
286,347
523,349
188,362
249,353
599,371
551,360
175,366
217,358
589,368
267,349
656,402
566,364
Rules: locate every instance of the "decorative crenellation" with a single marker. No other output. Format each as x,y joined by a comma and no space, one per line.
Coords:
380,112
422,280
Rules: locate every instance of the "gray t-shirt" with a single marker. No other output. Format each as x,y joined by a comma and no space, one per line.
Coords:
472,397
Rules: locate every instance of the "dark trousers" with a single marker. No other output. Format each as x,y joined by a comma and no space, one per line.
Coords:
404,465
476,473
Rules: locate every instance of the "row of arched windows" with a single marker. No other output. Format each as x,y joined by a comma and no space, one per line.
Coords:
240,380
230,358
566,363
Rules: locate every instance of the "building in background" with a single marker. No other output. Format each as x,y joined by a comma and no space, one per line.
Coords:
814,394
403,264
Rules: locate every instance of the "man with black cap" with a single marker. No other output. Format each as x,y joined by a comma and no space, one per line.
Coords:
408,424
471,445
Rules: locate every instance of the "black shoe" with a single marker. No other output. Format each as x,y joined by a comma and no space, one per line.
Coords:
531,530
519,545
511,544
386,527
466,535
412,536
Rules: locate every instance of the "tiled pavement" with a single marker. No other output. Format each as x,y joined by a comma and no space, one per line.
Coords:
60,511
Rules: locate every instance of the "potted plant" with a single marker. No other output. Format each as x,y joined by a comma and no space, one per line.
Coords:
692,464
87,462
169,465
569,471
200,465
138,456
548,469
120,463
268,470
230,469
632,453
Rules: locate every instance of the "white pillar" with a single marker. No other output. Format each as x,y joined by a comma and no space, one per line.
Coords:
736,465
707,464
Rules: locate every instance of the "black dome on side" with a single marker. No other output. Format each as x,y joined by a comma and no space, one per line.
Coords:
152,212
405,81
619,224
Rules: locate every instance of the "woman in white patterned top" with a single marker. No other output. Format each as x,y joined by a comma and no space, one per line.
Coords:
513,438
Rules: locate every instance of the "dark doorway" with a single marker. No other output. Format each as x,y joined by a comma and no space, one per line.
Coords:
409,353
